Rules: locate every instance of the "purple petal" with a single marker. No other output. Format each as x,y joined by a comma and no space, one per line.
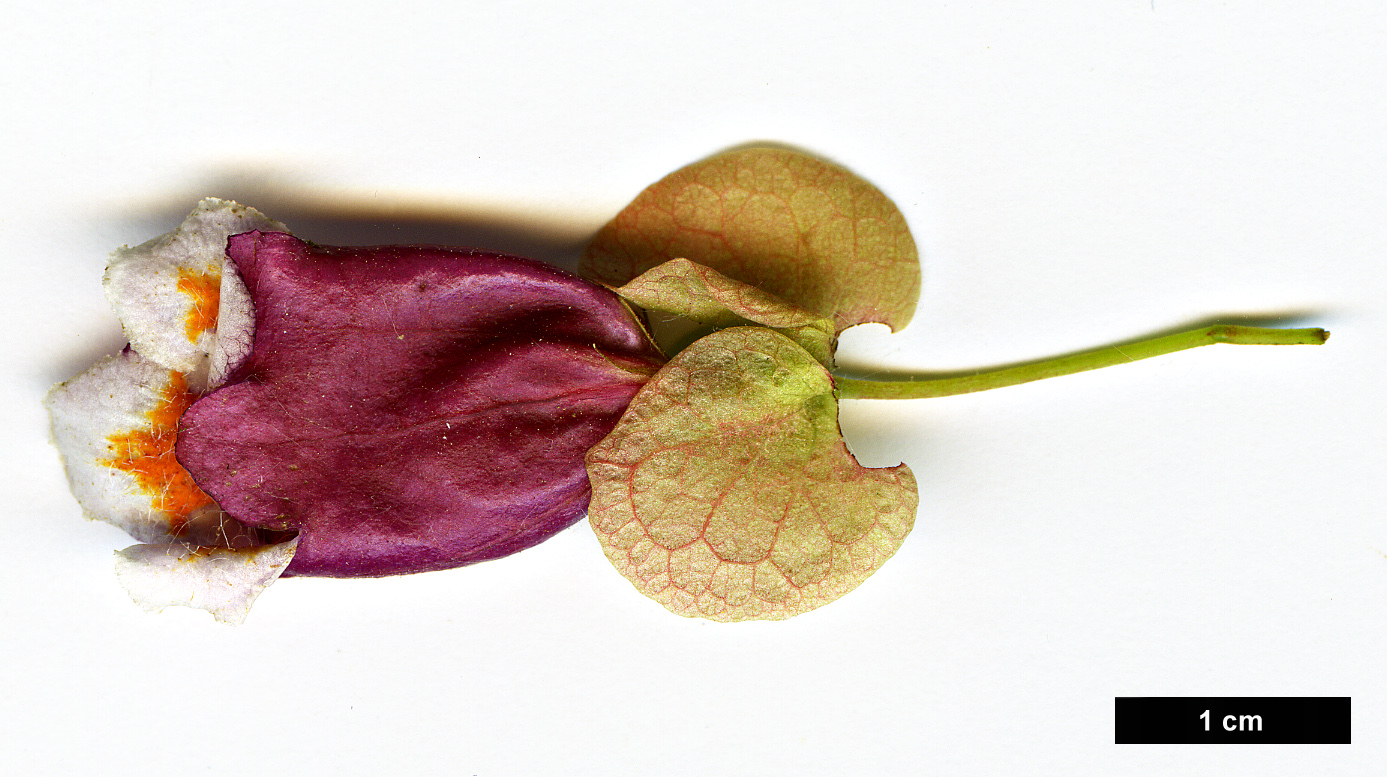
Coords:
406,409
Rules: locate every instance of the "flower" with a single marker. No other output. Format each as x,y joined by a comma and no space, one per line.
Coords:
291,409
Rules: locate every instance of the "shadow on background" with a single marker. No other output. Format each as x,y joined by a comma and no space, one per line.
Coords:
331,217
328,216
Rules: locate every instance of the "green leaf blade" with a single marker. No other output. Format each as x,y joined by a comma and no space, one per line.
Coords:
800,228
706,296
727,491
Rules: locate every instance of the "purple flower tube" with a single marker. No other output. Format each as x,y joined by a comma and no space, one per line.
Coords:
406,409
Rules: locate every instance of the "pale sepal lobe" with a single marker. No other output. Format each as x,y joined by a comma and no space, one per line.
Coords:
177,302
222,581
115,426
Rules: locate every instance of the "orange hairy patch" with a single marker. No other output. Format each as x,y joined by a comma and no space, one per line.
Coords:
206,291
147,454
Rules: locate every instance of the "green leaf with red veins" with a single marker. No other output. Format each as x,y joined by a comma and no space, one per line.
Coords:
798,227
726,490
707,296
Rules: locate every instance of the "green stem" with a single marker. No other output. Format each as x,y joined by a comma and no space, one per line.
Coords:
849,388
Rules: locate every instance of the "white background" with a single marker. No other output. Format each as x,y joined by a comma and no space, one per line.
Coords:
1076,174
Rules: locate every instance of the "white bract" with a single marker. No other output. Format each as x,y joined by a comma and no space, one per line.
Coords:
190,321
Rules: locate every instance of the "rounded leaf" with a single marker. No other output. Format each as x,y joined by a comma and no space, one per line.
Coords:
707,296
803,229
727,492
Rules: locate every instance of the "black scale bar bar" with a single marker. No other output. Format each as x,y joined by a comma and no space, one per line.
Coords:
1249,719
